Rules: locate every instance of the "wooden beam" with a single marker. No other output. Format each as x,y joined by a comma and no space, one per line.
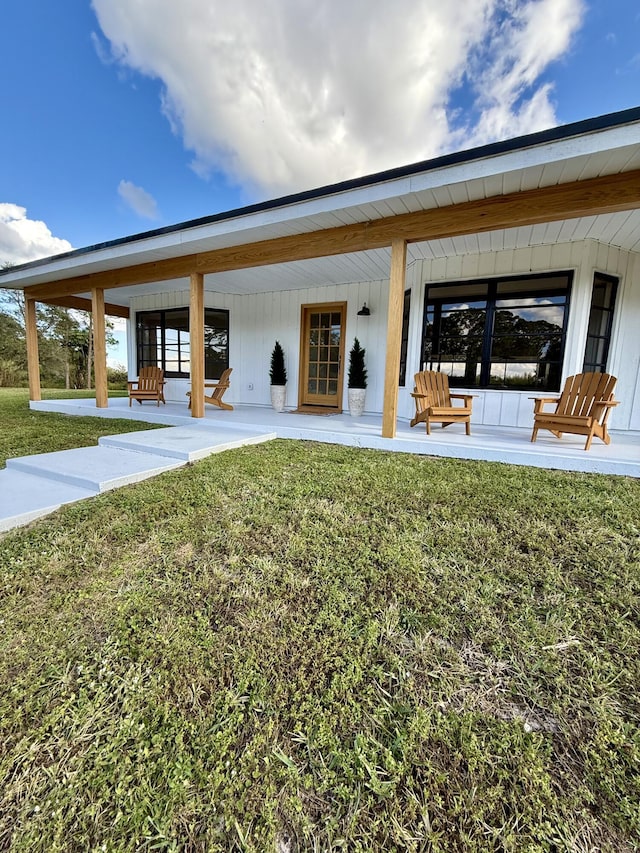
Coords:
196,342
99,348
607,194
394,337
33,359
79,303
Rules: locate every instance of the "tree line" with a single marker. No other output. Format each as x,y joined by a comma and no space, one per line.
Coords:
65,344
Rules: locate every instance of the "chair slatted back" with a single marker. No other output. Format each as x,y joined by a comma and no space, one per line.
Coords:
581,391
435,387
150,378
223,384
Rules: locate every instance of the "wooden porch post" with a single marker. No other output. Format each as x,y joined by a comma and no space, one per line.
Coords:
99,347
196,340
33,359
394,336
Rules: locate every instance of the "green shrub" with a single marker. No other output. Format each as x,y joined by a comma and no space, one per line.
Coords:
357,369
278,372
117,378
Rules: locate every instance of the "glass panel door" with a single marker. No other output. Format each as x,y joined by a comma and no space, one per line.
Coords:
322,349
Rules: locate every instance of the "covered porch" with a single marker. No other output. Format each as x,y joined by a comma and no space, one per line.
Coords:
540,233
509,445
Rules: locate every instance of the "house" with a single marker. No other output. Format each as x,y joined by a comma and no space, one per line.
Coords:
509,266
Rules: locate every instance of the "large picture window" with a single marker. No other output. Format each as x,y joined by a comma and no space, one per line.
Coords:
163,341
504,333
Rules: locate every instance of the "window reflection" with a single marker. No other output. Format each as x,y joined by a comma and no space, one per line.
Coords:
603,300
163,340
506,333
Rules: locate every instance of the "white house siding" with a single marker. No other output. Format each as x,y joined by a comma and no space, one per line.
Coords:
514,408
258,320
624,355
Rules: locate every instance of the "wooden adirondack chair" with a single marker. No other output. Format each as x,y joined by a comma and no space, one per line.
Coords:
148,386
582,408
433,402
215,399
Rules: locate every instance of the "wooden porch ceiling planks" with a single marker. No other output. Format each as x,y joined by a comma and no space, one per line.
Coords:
605,194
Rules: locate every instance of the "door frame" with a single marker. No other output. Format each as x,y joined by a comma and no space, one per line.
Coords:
320,307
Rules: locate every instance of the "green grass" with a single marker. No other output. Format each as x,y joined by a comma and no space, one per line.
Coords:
24,432
296,647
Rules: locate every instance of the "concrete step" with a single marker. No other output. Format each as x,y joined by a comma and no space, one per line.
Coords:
25,497
186,443
97,469
33,486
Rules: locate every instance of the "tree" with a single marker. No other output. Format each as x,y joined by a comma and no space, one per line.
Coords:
12,346
461,334
65,341
13,368
277,371
357,369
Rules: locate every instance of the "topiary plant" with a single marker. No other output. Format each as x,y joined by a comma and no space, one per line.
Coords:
278,372
357,370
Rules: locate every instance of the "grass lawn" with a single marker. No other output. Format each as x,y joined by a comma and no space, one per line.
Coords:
23,432
303,647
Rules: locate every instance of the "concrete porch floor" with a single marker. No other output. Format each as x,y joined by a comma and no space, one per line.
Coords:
496,444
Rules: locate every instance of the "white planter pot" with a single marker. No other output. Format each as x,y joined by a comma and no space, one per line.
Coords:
356,401
278,396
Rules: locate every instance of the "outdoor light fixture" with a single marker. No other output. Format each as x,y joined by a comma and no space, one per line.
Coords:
364,311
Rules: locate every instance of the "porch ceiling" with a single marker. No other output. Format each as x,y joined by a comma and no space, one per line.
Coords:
621,230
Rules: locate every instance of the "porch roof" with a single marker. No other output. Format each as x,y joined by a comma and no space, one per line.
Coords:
596,150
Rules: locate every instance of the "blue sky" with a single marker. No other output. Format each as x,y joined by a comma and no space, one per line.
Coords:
124,115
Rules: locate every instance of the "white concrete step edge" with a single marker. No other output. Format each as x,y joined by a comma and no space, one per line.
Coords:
95,468
185,443
26,497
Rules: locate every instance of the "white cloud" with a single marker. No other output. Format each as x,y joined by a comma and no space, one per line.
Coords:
288,94
102,50
139,200
513,60
23,239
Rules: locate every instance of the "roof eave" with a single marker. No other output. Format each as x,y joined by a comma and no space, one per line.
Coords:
481,153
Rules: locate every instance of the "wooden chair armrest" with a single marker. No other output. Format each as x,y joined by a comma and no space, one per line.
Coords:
600,406
462,396
539,403
217,384
415,394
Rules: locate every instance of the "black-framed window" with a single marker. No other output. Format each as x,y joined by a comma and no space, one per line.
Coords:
404,340
162,339
504,333
603,303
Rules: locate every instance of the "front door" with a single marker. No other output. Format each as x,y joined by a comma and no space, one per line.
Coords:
321,355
